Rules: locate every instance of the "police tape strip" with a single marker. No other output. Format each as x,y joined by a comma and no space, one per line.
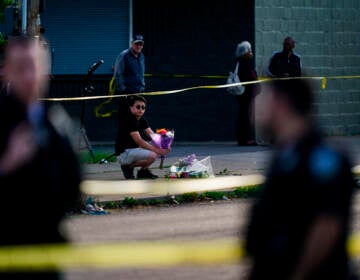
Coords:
119,255
356,170
164,187
263,80
174,186
48,257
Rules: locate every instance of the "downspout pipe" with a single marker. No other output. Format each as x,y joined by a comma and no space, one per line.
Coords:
24,16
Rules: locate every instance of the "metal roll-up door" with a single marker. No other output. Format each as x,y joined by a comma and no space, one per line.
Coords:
82,32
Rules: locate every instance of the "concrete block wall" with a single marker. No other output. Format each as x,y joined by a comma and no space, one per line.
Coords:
327,35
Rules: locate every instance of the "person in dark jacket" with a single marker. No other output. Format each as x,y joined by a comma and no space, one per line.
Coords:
298,226
285,63
245,129
39,170
129,74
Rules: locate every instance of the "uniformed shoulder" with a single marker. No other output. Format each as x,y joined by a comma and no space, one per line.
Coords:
297,55
325,163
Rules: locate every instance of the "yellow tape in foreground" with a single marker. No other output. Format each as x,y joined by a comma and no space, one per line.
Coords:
130,254
168,186
356,170
116,255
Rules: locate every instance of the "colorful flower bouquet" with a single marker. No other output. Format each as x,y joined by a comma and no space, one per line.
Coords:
163,138
191,167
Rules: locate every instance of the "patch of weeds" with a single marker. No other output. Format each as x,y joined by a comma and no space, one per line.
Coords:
130,202
187,197
248,191
215,195
157,201
111,205
202,196
225,171
85,157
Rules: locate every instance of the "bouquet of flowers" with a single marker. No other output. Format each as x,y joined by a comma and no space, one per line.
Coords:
163,138
191,167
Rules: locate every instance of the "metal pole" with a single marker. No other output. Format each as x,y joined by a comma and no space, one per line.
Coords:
23,16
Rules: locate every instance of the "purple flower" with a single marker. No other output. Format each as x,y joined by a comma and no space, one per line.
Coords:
163,140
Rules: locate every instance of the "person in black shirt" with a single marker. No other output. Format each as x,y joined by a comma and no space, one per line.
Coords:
285,63
298,226
132,142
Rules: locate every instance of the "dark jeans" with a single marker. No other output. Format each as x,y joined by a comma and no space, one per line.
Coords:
245,127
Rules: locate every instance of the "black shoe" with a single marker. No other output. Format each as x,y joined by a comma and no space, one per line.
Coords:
146,174
128,171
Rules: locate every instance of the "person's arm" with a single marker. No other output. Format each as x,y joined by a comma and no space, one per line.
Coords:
119,69
321,239
143,73
20,149
145,145
149,132
271,68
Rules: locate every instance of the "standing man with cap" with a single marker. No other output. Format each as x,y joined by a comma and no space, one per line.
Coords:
285,63
129,68
129,71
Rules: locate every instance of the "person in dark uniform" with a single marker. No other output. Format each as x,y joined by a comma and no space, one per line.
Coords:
245,126
40,174
285,63
298,226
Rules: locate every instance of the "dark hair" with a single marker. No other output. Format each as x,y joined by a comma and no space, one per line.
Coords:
133,98
297,92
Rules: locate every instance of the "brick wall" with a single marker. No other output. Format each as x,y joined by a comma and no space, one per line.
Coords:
327,35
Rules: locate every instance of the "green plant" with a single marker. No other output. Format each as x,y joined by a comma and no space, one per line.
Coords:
187,197
85,157
248,191
111,205
130,202
3,5
215,195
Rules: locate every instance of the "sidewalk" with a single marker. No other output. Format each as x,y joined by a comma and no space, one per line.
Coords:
244,160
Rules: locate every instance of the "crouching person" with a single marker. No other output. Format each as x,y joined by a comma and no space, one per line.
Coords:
133,141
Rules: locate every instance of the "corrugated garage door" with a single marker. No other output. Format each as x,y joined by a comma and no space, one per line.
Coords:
82,32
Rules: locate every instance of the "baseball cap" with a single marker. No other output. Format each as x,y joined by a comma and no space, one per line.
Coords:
138,38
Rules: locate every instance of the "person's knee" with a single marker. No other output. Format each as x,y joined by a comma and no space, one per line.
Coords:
152,156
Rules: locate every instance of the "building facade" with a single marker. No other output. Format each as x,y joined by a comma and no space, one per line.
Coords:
327,35
190,43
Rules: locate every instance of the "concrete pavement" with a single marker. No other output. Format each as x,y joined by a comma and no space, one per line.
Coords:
235,160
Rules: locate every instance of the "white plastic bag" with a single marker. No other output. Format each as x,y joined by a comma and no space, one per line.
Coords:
233,78
201,167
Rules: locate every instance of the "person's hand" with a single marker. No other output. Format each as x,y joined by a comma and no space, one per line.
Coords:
163,152
20,149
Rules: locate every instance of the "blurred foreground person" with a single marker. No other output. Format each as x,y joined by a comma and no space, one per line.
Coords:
299,225
39,170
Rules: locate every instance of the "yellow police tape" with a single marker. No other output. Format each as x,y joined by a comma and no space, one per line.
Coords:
356,170
138,254
174,186
112,89
119,255
322,78
168,186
